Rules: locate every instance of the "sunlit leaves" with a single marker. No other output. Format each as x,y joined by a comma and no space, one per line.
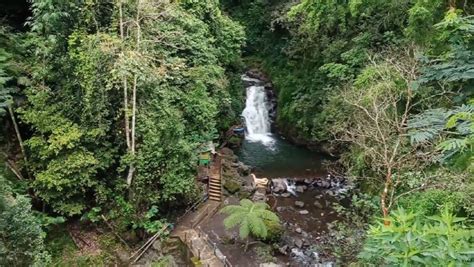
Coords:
250,217
409,240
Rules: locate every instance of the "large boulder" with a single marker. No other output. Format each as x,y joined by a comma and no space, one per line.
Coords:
232,186
259,196
278,185
243,169
228,154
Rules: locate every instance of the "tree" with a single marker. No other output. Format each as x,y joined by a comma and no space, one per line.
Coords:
21,236
379,103
252,219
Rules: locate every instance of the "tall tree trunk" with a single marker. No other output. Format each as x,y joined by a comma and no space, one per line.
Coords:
131,170
20,140
125,84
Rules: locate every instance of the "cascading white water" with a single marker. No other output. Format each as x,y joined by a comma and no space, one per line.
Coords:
256,115
290,187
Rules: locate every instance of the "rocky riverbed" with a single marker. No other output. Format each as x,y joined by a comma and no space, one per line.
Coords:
305,206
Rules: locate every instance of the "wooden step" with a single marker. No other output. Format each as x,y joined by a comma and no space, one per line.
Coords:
215,197
215,193
215,185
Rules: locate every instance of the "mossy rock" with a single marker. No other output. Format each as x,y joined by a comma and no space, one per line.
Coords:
234,141
232,186
244,194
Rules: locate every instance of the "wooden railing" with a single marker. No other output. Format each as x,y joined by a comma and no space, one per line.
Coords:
205,237
194,206
139,253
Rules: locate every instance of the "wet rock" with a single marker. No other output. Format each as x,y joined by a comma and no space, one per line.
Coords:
308,181
299,204
278,185
318,204
286,194
259,196
325,184
243,169
257,74
298,243
303,212
315,255
283,250
298,230
300,188
270,264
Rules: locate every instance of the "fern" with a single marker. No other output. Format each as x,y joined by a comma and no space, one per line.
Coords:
251,218
452,129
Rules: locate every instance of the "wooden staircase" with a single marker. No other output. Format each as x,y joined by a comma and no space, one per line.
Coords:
215,182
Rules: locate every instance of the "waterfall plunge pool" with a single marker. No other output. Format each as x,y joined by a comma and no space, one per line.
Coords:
281,159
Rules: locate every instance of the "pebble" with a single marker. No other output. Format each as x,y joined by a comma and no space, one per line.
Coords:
299,204
303,212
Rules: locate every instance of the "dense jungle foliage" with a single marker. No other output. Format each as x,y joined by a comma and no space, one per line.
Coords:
103,105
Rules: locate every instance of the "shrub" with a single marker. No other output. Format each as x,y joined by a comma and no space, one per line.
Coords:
410,241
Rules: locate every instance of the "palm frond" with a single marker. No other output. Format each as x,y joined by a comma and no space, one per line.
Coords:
246,203
233,220
270,216
230,209
244,230
261,206
257,226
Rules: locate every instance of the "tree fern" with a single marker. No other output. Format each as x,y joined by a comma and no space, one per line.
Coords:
250,217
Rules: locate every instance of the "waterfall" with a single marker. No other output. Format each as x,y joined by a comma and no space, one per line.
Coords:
256,114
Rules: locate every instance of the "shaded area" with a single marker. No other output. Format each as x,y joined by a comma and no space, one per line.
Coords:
14,13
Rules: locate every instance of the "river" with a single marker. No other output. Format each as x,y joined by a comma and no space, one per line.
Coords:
308,210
